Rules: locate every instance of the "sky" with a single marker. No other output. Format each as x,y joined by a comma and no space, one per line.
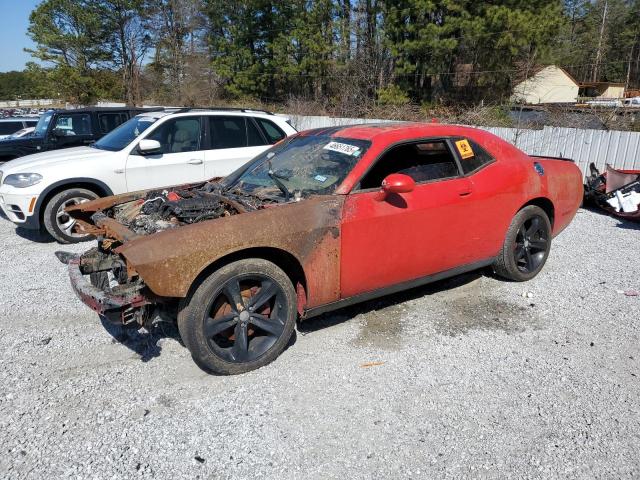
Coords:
14,21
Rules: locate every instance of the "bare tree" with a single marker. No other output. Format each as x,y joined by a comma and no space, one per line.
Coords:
129,41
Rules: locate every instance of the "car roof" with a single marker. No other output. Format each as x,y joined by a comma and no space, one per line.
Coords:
370,131
210,111
100,109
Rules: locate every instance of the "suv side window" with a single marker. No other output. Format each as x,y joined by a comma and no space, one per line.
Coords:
178,135
271,130
109,121
477,158
254,137
227,132
422,161
70,125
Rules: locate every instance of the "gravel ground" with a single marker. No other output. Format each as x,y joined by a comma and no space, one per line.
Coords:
472,377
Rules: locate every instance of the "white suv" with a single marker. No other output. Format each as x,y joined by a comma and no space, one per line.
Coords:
154,149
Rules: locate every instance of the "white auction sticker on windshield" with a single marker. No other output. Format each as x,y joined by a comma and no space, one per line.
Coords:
342,148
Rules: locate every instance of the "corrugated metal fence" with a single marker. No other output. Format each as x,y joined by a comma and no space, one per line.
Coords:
619,149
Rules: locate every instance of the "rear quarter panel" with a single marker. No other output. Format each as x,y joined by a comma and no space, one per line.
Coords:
562,184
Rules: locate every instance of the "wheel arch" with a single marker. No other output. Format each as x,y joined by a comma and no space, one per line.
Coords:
96,186
283,259
545,204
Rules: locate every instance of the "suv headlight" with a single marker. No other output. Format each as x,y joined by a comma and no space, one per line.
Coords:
22,180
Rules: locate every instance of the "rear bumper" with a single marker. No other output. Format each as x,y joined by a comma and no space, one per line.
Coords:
120,309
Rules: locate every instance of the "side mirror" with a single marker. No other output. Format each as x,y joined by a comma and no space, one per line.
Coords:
398,183
149,147
395,183
57,133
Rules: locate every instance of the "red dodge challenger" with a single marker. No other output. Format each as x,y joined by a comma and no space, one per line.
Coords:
326,218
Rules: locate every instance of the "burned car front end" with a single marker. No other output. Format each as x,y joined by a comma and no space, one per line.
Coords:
103,278
125,302
155,246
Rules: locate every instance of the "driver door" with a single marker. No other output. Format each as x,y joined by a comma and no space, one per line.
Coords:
180,160
406,236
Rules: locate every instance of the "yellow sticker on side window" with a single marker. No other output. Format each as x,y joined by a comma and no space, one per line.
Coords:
464,149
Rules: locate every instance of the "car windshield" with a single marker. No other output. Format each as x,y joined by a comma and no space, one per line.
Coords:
302,166
42,125
126,133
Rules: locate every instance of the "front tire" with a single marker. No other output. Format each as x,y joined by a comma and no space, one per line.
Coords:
239,318
526,246
58,223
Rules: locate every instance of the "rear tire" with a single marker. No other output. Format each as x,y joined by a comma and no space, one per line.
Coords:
526,245
239,318
57,223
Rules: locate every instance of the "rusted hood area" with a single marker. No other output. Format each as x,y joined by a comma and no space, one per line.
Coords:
104,203
170,261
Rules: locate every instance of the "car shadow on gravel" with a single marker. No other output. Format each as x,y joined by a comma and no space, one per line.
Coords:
147,344
34,235
347,313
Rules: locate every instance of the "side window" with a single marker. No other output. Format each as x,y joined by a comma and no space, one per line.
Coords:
227,132
178,135
109,121
474,157
273,133
423,161
72,125
254,137
7,128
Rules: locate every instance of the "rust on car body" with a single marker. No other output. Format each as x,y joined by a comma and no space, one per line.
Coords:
171,260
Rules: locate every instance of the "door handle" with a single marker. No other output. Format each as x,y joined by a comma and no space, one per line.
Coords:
195,161
464,192
119,170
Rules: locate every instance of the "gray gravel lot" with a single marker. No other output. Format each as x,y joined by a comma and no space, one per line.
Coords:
471,377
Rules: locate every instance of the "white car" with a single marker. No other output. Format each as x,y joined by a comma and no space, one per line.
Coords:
154,149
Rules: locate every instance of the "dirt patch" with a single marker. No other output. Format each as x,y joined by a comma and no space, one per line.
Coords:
453,307
382,328
474,307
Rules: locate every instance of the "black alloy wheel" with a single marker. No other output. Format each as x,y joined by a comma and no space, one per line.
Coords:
531,245
245,318
526,246
239,318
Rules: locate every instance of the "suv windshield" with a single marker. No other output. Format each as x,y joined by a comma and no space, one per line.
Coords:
42,125
305,164
126,133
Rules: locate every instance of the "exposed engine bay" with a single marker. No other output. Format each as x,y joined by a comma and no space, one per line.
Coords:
164,209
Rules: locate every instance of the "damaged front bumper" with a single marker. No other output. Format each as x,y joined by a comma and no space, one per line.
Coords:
127,308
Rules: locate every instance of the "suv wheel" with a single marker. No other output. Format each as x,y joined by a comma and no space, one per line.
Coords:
58,223
240,318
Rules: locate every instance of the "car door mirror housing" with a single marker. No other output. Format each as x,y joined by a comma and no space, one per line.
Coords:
398,183
149,147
